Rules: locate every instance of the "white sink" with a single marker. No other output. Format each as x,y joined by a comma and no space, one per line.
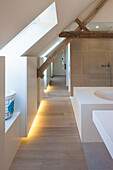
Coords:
104,94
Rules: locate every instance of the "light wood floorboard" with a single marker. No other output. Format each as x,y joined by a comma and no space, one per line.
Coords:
55,143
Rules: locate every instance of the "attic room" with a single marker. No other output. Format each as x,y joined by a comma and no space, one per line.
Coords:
56,85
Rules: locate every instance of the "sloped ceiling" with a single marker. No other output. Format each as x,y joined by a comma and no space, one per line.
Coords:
105,14
66,15
15,15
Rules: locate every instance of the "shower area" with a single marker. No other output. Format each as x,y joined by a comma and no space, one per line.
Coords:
100,57
91,63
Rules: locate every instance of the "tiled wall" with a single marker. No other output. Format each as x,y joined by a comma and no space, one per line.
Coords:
87,56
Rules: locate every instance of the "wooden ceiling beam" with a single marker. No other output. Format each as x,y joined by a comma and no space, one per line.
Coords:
52,57
84,34
82,25
94,11
62,46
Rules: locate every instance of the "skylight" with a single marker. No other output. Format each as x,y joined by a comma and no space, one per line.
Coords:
32,33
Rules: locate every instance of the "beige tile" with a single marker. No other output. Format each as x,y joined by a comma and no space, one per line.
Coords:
97,83
85,80
97,76
110,45
76,44
77,66
84,44
77,80
97,45
95,61
84,56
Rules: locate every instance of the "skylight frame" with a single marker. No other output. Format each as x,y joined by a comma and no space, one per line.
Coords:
15,47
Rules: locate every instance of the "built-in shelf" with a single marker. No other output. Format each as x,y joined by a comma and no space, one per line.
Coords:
9,122
103,121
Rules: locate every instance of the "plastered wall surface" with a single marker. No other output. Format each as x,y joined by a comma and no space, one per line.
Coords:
58,67
87,58
31,90
2,111
40,83
48,74
16,79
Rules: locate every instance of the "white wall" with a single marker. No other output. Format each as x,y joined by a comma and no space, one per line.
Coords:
58,67
68,67
45,79
16,79
45,76
2,111
21,77
48,74
40,83
12,141
52,71
31,90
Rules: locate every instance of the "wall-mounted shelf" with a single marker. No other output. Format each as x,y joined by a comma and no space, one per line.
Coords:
9,122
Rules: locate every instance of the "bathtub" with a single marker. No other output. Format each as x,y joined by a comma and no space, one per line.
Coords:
104,94
85,101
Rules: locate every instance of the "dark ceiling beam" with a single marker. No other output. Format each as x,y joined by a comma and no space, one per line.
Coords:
62,46
82,25
84,34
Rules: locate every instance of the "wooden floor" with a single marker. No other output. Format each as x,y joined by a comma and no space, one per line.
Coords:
55,142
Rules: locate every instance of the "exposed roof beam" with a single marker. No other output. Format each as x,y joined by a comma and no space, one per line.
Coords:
51,58
82,25
62,46
94,11
84,34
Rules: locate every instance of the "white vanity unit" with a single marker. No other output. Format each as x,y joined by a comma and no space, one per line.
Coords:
85,101
103,121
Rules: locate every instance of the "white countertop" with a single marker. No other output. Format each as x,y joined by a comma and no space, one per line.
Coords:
103,121
85,95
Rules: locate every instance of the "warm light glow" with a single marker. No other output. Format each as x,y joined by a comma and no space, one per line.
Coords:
35,122
45,91
33,129
97,26
48,89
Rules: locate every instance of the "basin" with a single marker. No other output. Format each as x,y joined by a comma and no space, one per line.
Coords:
104,94
85,101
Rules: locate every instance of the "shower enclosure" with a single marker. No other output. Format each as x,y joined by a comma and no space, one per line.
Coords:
100,56
91,63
